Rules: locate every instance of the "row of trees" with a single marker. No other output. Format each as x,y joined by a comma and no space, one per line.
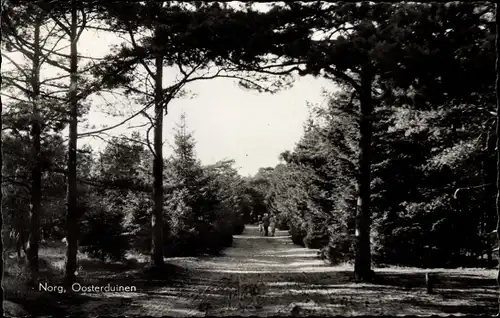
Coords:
421,56
433,193
408,141
202,216
203,213
432,57
40,106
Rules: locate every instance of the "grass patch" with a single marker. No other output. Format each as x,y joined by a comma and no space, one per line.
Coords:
22,296
25,298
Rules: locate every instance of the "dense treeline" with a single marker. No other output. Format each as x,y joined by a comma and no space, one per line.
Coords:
433,155
398,168
50,86
205,210
434,201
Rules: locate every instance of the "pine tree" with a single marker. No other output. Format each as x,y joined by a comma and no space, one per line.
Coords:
22,28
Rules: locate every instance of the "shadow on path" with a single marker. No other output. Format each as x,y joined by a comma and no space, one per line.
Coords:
265,276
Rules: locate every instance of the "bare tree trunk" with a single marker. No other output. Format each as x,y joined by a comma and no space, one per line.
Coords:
362,265
497,43
157,216
72,216
36,183
1,155
489,249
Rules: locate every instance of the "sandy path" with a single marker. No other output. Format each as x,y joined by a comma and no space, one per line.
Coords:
265,276
252,253
225,282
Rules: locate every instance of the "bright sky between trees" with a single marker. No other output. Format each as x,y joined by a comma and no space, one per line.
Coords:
227,122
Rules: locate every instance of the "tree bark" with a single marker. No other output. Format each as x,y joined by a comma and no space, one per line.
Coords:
489,178
362,265
36,172
497,44
72,216
1,169
157,216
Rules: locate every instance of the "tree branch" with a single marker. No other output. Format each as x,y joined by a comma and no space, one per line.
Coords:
19,68
89,133
83,26
14,98
51,51
148,141
53,79
117,184
49,34
124,138
97,28
60,24
11,81
343,76
134,44
138,126
455,194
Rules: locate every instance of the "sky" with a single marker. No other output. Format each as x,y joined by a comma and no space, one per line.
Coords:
230,123
227,122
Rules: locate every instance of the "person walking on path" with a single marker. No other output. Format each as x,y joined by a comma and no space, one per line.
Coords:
272,224
265,223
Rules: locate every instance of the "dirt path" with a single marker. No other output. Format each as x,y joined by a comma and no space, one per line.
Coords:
271,276
252,253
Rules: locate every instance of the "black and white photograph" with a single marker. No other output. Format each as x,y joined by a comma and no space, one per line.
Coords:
246,158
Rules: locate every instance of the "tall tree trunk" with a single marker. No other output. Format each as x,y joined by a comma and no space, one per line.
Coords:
1,157
497,43
489,178
362,265
157,216
36,173
72,215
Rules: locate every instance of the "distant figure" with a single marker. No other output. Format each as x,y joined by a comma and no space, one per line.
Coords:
65,241
272,224
265,223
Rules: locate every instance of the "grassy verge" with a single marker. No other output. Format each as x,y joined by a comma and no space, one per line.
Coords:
25,298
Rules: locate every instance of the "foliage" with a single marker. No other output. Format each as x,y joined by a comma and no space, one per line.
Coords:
203,214
433,153
428,139
102,233
314,189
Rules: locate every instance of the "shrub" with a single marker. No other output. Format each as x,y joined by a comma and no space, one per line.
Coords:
138,227
282,222
317,232
298,234
182,243
238,229
340,246
237,223
315,240
102,234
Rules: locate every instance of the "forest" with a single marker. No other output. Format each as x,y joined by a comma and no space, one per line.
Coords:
397,169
